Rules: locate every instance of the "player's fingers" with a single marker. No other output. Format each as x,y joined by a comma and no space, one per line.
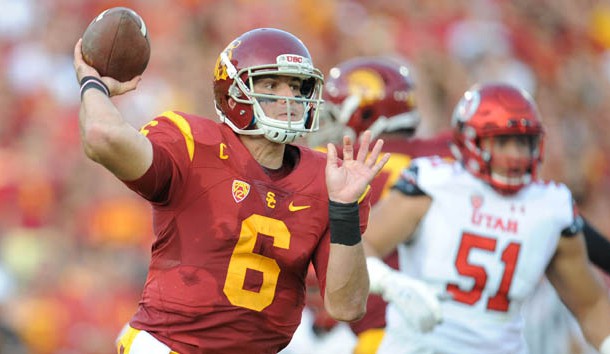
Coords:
78,59
372,157
78,54
380,163
81,67
119,88
348,149
363,150
331,156
131,84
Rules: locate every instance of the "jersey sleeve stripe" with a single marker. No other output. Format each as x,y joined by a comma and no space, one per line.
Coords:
184,128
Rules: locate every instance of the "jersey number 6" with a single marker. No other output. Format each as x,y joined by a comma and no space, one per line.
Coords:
244,258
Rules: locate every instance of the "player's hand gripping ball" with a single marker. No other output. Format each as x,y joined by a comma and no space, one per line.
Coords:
116,44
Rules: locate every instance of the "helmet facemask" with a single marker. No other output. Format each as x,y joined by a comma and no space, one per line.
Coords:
508,174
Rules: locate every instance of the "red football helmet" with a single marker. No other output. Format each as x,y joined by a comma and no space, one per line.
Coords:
491,110
263,52
375,93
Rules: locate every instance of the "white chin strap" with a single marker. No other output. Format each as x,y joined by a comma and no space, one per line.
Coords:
282,137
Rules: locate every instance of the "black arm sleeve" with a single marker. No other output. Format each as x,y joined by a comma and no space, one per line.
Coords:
598,247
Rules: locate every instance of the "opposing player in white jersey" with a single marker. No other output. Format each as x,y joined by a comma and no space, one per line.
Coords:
483,230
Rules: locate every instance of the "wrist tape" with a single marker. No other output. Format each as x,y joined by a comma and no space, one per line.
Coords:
92,82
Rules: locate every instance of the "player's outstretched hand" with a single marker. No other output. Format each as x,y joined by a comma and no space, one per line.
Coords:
82,69
348,179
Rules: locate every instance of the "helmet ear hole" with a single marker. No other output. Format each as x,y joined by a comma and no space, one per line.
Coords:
368,114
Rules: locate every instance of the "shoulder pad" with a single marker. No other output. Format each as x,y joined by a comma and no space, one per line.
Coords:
407,183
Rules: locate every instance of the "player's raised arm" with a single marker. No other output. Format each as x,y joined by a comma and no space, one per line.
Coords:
347,280
107,138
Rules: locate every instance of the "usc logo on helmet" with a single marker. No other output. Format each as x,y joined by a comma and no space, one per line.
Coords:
407,96
294,59
220,69
366,84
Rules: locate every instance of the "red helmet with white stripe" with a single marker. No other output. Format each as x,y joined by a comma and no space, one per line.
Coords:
263,52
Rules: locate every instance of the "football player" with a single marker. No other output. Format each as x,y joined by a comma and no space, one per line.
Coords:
239,211
483,231
378,94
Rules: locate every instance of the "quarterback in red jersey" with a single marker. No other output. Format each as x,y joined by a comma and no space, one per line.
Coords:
239,212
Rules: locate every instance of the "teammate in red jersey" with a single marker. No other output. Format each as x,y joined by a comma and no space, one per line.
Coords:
239,212
376,94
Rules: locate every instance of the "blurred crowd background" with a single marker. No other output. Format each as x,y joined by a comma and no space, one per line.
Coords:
74,242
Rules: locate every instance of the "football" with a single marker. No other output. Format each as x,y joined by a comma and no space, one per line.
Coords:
116,44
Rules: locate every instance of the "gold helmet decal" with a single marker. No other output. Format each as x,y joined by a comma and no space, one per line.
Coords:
220,69
366,84
410,98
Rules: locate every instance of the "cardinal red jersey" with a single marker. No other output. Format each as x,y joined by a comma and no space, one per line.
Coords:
232,247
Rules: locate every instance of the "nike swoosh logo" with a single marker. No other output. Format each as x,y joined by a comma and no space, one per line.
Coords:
293,207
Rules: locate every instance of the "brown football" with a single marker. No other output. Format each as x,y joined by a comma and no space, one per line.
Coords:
116,44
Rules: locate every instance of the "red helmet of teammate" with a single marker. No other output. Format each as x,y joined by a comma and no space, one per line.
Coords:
264,52
375,93
491,110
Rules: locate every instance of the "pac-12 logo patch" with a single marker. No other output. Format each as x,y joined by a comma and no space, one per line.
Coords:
240,190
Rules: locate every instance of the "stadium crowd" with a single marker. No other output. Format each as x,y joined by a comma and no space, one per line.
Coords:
73,242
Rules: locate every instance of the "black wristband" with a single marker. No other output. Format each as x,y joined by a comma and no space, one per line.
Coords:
92,82
344,222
